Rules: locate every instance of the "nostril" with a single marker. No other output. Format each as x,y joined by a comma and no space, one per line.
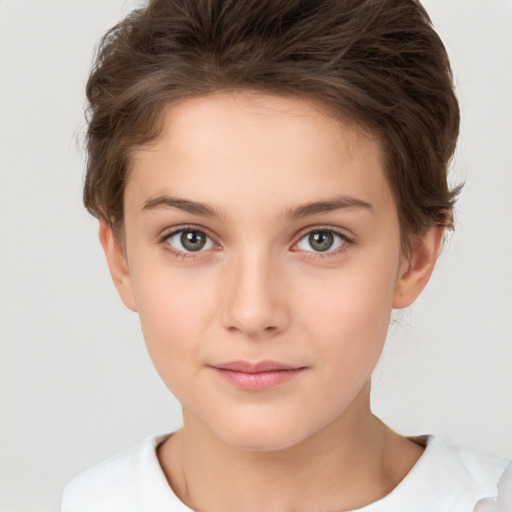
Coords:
269,329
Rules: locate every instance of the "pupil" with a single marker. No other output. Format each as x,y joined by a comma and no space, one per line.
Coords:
321,240
193,240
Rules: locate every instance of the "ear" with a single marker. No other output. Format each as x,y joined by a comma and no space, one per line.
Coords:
417,268
118,265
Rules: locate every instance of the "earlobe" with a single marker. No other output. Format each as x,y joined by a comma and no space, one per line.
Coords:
417,269
117,265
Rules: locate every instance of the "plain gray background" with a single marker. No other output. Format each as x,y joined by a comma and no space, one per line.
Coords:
76,384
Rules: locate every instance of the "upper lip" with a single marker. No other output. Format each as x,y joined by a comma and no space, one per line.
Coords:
258,367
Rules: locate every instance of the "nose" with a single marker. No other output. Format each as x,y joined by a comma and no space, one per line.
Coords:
255,297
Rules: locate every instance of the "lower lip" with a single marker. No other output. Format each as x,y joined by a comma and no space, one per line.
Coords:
260,381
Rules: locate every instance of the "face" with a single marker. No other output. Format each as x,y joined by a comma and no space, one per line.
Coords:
263,257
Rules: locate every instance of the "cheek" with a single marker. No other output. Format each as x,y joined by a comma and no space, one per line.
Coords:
348,319
172,314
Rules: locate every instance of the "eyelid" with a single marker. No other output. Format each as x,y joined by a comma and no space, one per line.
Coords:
337,240
344,233
163,239
348,240
169,231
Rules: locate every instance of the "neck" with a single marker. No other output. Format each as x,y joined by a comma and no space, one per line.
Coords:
350,463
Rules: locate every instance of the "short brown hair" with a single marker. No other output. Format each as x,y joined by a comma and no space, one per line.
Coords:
379,62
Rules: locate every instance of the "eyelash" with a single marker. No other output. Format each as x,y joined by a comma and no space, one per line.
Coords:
346,242
316,255
183,254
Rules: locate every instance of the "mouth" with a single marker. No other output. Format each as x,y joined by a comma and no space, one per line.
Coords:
260,376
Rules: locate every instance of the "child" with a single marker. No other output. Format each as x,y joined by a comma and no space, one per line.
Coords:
270,182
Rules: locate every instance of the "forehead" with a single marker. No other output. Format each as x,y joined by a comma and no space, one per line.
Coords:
242,145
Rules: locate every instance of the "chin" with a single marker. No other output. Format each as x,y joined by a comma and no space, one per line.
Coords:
261,442
261,436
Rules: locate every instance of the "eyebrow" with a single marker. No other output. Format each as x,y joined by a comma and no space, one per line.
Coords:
205,210
186,205
317,207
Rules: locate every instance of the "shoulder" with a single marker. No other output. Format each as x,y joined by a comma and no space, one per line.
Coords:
491,475
483,470
118,483
455,478
446,478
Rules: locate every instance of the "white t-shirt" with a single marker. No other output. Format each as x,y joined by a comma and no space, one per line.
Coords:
445,479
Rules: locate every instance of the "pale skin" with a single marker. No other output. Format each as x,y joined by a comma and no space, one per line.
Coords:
255,177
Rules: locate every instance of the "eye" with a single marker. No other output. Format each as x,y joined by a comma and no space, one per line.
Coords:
189,240
321,240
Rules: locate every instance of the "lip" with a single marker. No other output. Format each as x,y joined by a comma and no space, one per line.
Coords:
259,376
